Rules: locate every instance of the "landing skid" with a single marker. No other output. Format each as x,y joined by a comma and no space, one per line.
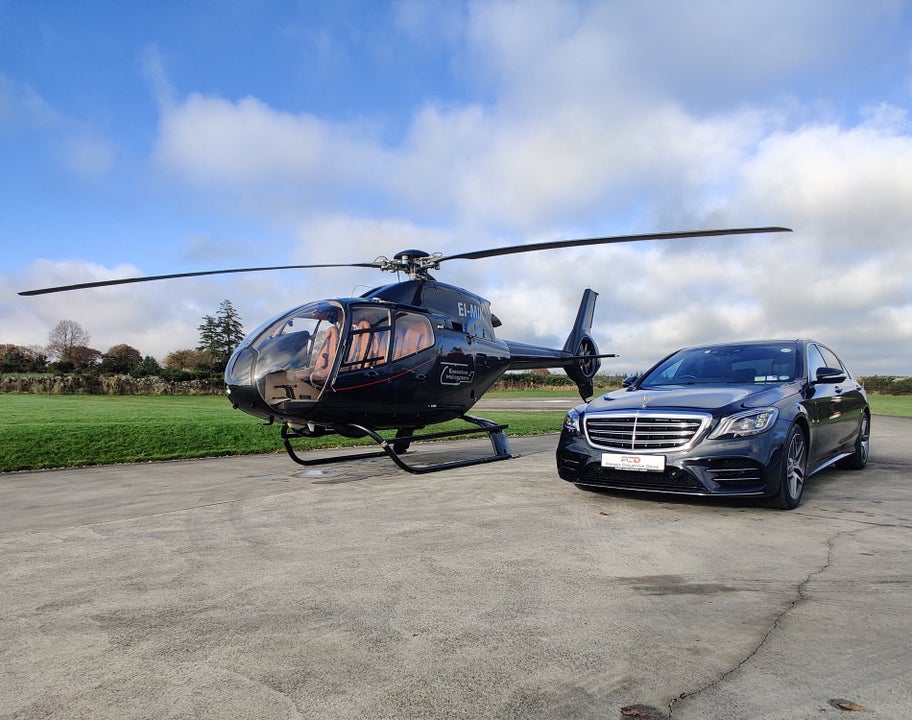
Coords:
494,431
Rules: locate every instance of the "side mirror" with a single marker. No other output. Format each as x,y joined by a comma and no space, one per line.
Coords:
830,376
629,380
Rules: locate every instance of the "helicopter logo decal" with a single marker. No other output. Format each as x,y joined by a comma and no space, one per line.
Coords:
456,374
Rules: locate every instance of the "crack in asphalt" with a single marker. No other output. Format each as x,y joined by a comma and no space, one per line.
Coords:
902,523
800,598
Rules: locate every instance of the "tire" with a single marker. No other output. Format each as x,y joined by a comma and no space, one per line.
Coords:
859,458
793,472
403,441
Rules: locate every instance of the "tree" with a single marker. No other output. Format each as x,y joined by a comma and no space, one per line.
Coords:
39,362
188,360
121,359
149,367
15,358
67,335
208,336
84,358
220,335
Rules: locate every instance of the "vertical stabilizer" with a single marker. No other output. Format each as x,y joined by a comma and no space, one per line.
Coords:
580,344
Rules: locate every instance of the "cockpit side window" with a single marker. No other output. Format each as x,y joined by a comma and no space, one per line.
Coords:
368,344
413,333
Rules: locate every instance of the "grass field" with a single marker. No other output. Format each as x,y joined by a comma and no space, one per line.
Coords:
47,431
898,405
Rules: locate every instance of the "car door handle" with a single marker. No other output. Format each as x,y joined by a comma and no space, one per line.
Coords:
372,373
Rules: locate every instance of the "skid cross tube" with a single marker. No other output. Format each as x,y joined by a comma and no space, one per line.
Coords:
495,433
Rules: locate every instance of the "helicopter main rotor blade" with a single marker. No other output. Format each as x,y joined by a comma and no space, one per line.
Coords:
556,244
171,276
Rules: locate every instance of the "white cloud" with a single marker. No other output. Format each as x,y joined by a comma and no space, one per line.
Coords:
89,157
847,187
81,150
21,106
268,160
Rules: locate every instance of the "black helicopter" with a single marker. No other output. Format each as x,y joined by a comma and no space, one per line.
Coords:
400,357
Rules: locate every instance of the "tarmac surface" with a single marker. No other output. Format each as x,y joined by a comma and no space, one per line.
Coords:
252,587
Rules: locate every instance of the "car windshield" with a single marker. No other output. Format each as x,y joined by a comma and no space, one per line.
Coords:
726,364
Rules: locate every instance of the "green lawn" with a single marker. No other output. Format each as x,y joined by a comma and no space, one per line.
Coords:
898,405
45,431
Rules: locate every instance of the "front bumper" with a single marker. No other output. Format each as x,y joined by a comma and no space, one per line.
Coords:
740,468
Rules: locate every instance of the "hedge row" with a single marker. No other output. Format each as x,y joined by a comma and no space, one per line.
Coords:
887,384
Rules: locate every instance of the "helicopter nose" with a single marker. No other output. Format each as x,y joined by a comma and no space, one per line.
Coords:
239,379
239,370
246,398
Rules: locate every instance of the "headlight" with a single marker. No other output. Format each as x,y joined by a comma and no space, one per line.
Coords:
572,420
752,422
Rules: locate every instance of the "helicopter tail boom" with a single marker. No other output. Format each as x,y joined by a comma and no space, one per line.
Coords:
579,357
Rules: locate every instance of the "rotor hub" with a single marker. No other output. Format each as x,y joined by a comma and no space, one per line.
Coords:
414,263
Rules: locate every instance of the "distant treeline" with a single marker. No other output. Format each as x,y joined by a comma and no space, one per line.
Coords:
97,384
887,384
553,381
94,384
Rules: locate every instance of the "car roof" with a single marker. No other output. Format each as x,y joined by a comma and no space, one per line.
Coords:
739,343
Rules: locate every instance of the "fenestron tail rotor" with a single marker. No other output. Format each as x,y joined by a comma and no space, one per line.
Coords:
417,264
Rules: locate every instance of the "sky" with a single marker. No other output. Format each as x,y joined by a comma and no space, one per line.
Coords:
149,138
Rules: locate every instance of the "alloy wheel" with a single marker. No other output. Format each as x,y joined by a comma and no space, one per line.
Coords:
864,444
795,468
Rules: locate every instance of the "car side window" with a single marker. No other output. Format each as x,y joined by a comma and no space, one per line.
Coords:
815,361
830,358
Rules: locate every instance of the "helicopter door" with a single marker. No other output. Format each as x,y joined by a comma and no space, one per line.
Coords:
413,360
367,349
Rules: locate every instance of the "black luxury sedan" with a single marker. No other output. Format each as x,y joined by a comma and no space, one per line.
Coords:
742,419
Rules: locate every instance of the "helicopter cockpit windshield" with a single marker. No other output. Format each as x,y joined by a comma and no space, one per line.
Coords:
296,353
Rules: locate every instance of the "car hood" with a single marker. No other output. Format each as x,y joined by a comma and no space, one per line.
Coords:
704,398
